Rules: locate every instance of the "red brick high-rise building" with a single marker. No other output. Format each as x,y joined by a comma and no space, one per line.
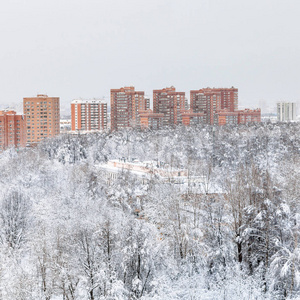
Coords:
12,130
228,98
220,106
125,105
42,117
88,115
170,103
207,102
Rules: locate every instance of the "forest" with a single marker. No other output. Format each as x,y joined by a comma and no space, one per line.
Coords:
66,233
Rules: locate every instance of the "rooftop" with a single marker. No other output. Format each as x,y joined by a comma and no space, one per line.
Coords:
88,101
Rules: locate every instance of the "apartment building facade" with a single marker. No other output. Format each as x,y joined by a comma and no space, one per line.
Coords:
42,117
225,116
12,130
220,106
229,97
169,102
245,116
207,102
151,120
249,115
286,111
88,115
191,118
126,103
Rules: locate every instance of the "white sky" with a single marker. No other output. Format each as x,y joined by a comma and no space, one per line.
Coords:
83,48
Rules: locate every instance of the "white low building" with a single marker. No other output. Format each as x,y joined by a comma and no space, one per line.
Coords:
147,170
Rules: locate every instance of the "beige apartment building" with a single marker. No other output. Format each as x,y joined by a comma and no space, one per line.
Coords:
42,117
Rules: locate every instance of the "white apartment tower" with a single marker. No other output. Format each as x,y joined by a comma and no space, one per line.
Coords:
87,115
286,111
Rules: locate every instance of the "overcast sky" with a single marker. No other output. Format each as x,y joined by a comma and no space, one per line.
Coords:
83,48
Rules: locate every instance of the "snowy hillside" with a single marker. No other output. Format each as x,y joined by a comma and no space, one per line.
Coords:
67,232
